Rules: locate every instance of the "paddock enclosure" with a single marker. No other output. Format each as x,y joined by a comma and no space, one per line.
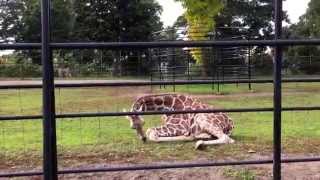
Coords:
69,128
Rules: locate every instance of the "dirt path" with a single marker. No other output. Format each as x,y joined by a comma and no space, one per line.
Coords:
173,174
297,171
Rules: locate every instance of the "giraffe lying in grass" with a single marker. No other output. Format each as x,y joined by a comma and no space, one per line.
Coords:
207,128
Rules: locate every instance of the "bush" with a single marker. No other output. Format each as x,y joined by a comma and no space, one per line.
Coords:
313,68
263,64
20,70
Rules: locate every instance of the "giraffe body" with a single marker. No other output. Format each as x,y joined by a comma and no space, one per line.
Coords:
190,126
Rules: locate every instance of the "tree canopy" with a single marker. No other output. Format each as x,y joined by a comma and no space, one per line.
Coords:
308,26
9,20
80,20
250,18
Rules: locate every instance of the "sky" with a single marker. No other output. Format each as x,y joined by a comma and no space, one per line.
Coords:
295,8
172,10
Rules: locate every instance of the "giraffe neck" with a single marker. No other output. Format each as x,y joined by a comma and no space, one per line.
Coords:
163,102
174,127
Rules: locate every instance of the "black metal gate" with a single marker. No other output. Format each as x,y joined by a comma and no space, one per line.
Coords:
49,116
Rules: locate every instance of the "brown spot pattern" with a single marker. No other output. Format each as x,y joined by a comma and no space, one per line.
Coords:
168,101
178,105
180,127
160,108
178,132
150,108
182,98
220,118
170,129
174,121
158,101
184,124
188,102
164,129
185,116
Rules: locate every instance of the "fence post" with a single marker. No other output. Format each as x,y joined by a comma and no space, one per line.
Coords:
249,68
49,124
277,93
174,59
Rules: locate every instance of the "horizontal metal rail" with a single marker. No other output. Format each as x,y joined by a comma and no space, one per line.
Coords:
163,44
165,166
150,83
20,46
108,114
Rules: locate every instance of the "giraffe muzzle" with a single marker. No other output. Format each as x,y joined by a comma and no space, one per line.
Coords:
140,133
144,139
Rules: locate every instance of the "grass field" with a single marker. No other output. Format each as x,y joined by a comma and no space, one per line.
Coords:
111,139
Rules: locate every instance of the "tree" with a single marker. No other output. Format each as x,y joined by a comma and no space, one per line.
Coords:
22,23
83,20
9,14
200,20
107,20
300,57
116,20
254,18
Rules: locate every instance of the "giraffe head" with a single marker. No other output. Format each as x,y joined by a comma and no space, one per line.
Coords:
137,122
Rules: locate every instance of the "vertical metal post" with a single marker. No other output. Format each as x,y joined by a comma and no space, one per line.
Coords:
159,66
173,59
188,58
49,124
249,67
139,63
101,63
218,77
277,93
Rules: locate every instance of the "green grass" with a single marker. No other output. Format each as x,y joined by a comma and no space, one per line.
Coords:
110,138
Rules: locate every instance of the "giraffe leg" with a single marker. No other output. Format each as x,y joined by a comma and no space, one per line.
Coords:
203,136
222,140
152,136
214,131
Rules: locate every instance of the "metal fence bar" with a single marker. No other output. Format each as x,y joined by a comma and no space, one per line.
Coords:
166,166
151,83
277,98
106,114
48,98
20,46
20,118
166,44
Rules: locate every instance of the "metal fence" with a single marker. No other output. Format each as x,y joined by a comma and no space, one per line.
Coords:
49,116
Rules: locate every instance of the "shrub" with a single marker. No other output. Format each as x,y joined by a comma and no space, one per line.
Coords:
20,70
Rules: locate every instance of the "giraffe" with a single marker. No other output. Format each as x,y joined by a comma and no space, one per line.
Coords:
182,127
